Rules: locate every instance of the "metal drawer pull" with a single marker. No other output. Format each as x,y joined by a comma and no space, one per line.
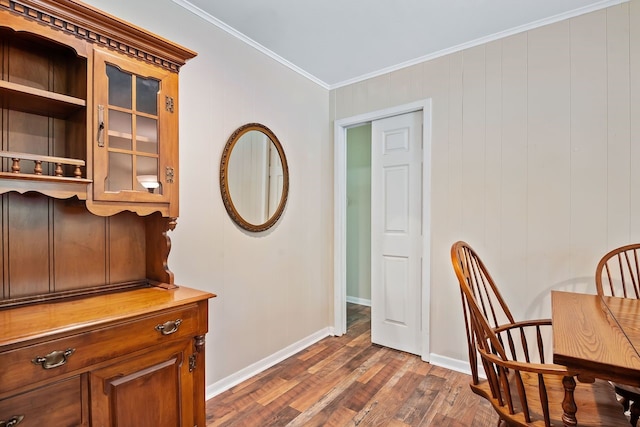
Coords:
169,327
13,421
53,360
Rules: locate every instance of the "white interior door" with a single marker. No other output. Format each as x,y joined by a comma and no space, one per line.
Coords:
396,234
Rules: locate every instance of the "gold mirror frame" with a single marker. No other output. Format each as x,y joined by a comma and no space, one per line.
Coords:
224,178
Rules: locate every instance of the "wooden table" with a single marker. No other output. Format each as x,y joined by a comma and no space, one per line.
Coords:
599,337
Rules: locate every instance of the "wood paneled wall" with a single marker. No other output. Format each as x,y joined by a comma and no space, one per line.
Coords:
535,149
54,246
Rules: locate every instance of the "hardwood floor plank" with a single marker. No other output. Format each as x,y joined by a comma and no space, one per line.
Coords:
391,400
312,351
416,406
347,381
319,388
363,339
327,408
385,378
371,372
337,383
423,368
340,417
333,361
277,392
396,423
230,417
277,413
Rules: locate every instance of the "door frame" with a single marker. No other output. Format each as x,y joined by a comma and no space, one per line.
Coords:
340,213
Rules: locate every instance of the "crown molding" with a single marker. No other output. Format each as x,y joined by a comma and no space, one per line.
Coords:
482,40
248,40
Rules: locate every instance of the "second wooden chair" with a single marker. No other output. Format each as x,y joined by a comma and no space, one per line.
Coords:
618,275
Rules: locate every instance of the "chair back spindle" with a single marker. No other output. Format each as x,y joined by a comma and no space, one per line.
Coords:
618,272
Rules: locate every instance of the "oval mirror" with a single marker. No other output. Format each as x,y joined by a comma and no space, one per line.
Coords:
254,177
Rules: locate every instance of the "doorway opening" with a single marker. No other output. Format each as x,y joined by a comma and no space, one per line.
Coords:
358,252
341,230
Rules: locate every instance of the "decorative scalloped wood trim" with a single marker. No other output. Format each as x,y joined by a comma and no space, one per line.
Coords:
97,27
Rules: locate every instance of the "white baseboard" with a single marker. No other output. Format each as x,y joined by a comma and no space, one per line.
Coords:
359,301
454,364
254,369
449,363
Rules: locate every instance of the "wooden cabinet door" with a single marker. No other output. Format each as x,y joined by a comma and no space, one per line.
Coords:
149,390
135,151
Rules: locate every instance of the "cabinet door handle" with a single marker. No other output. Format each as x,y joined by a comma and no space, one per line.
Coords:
100,135
13,421
169,327
53,359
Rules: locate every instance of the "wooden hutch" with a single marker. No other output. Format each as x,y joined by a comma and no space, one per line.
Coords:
93,330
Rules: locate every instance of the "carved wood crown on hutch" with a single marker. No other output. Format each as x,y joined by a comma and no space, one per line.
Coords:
102,29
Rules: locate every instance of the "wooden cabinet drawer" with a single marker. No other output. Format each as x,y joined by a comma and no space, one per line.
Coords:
92,347
57,404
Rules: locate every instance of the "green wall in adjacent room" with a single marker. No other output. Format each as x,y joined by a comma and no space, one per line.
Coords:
359,213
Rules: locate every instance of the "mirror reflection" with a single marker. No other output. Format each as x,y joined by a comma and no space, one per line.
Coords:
254,177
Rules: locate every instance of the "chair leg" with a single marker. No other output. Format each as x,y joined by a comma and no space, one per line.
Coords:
569,407
635,413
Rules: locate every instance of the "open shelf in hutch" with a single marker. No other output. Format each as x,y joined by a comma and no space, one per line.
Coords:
37,101
43,96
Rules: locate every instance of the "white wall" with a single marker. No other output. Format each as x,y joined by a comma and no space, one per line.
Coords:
274,288
534,157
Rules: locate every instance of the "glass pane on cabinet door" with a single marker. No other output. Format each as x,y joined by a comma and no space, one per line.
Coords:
120,129
147,95
147,174
147,135
120,172
120,93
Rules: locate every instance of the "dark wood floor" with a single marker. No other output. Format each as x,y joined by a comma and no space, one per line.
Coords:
347,381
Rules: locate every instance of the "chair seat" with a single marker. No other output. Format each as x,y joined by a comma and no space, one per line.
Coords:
597,403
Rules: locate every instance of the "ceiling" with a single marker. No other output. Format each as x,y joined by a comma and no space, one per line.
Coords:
337,42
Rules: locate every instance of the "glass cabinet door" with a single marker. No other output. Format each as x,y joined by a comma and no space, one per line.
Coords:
135,152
